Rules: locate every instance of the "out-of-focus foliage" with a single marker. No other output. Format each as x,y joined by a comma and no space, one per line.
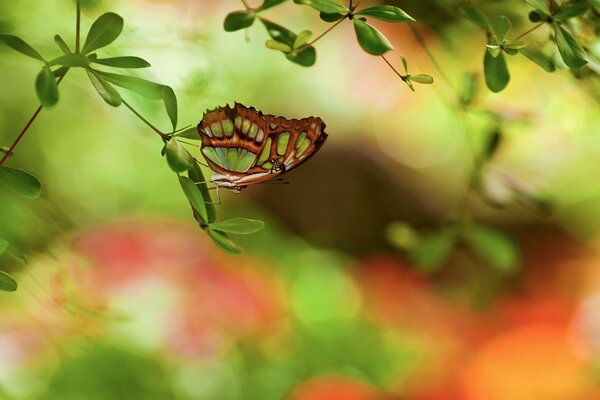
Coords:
443,245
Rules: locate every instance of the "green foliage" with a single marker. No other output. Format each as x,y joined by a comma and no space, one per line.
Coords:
105,30
223,242
178,158
370,39
386,13
122,62
46,87
194,196
496,71
22,47
495,248
325,6
570,50
104,89
20,182
7,282
238,226
238,20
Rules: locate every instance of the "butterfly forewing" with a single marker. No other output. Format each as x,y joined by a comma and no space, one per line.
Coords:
245,146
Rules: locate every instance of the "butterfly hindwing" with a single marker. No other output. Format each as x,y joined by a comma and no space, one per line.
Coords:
245,146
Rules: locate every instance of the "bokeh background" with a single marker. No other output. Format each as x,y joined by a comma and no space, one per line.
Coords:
125,298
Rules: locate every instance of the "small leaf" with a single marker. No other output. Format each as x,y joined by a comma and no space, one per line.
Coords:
469,88
325,6
19,45
570,11
7,282
270,3
535,16
46,87
433,250
3,246
194,196
224,243
275,45
404,64
493,143
503,26
16,253
494,247
170,102
238,20
516,45
62,44
496,72
238,226
60,72
331,17
403,236
278,33
539,58
21,182
189,133
178,158
302,39
104,89
71,60
370,39
386,13
494,49
197,177
105,30
142,87
123,62
477,17
570,50
540,5
423,79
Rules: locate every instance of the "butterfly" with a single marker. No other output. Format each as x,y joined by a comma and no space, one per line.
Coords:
243,146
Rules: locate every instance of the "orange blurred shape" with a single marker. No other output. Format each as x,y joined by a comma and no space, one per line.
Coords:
529,362
337,388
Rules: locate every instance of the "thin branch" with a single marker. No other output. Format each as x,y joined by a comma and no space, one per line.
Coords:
306,46
521,36
403,77
27,126
245,3
165,138
78,27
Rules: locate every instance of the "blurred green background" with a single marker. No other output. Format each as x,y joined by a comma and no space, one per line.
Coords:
125,298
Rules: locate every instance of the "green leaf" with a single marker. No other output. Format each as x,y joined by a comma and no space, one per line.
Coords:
331,17
3,246
370,39
423,79
238,20
493,143
60,72
104,89
62,44
539,58
540,5
46,87
142,87
325,6
224,243
170,101
123,62
496,72
194,196
477,17
270,3
302,39
494,247
189,133
103,32
16,253
570,50
535,16
7,282
386,13
19,45
306,57
197,177
494,49
71,60
238,226
20,182
503,26
402,235
570,11
275,45
516,45
178,158
431,252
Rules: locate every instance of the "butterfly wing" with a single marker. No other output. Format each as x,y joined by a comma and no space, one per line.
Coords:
245,146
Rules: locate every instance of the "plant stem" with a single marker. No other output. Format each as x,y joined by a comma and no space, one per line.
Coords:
165,138
27,126
393,69
245,3
78,27
307,45
521,36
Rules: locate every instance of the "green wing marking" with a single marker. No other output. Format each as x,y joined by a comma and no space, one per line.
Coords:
232,159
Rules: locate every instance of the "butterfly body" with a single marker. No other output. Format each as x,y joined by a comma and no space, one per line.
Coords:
243,146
